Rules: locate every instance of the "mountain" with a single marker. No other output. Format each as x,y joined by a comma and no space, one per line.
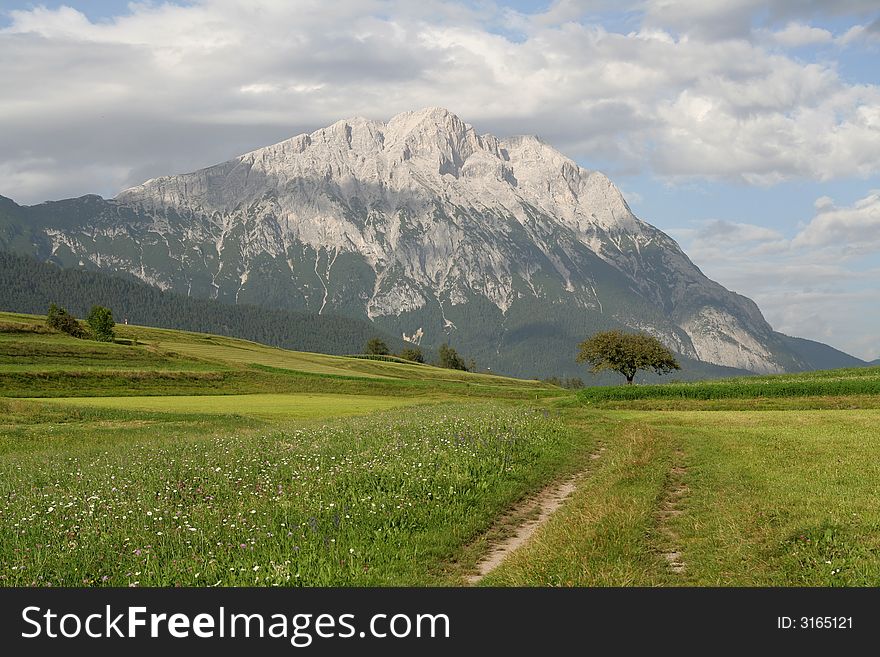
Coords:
29,286
821,356
433,232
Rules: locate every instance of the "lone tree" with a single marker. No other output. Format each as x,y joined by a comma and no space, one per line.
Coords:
377,347
626,353
100,321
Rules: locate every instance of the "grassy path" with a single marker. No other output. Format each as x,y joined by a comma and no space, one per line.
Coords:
598,537
770,498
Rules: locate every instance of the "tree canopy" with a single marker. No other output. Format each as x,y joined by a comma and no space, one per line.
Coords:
377,347
626,353
100,321
61,320
449,358
414,354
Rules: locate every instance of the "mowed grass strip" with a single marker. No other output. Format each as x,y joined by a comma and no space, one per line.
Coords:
35,426
256,379
36,362
55,351
241,352
281,406
381,500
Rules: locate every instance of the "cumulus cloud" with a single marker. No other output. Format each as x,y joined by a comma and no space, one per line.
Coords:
820,283
854,228
167,88
737,18
796,35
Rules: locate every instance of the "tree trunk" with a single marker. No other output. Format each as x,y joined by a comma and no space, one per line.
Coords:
629,379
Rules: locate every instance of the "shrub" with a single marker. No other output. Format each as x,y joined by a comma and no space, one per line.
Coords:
377,347
414,354
450,359
61,320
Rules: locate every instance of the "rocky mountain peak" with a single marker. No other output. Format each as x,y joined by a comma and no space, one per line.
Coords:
427,227
432,137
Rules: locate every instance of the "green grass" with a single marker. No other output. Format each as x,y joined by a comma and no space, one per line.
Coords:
773,498
27,426
55,352
255,379
600,536
854,381
293,406
181,458
382,500
154,361
781,500
804,403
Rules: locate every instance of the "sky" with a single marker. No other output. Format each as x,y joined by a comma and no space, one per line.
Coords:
747,130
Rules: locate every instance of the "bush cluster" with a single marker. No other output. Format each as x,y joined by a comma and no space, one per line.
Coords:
100,323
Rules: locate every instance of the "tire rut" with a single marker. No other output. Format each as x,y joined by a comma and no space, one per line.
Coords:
527,517
670,506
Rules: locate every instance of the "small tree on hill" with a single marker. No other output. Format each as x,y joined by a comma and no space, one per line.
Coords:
100,321
626,353
61,320
414,354
450,359
377,347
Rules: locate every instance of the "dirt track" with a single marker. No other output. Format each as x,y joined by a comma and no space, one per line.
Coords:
544,503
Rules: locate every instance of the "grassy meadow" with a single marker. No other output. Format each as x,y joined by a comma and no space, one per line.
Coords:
172,458
717,498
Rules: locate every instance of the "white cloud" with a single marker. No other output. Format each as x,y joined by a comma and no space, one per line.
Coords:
736,18
823,202
852,229
45,178
168,87
820,284
796,35
869,34
737,233
834,316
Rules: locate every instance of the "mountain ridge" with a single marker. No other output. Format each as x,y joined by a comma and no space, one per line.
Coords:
29,286
426,228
